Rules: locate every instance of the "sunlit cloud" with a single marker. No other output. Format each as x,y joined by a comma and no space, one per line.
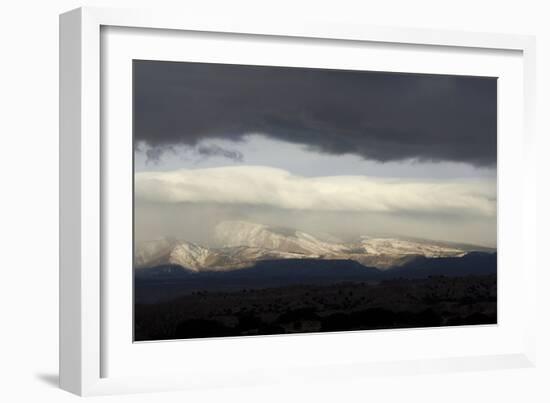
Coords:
272,187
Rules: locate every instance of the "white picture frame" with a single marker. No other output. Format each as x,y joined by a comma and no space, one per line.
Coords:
83,175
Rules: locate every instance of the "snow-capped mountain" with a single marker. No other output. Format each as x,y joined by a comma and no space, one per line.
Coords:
199,258
190,255
393,246
245,244
170,251
241,233
385,253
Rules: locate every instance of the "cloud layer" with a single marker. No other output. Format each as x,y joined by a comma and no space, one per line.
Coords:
378,116
277,188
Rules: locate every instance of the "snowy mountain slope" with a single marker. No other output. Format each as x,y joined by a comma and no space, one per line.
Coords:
392,246
190,255
199,258
245,244
241,233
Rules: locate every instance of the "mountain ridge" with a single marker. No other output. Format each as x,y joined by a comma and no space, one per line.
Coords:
245,244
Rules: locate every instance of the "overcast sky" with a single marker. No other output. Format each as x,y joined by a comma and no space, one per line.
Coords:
343,152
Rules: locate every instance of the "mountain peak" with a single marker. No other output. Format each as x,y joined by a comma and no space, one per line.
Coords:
242,233
189,255
246,243
394,246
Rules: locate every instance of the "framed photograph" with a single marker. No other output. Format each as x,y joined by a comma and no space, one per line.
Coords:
247,202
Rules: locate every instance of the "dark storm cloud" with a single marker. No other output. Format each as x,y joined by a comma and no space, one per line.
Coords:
154,154
379,116
210,150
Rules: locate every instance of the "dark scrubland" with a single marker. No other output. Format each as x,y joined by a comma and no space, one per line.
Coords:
302,308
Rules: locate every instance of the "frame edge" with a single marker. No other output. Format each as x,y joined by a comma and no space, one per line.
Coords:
70,119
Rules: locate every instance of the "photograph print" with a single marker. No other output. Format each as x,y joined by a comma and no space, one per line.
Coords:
280,200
